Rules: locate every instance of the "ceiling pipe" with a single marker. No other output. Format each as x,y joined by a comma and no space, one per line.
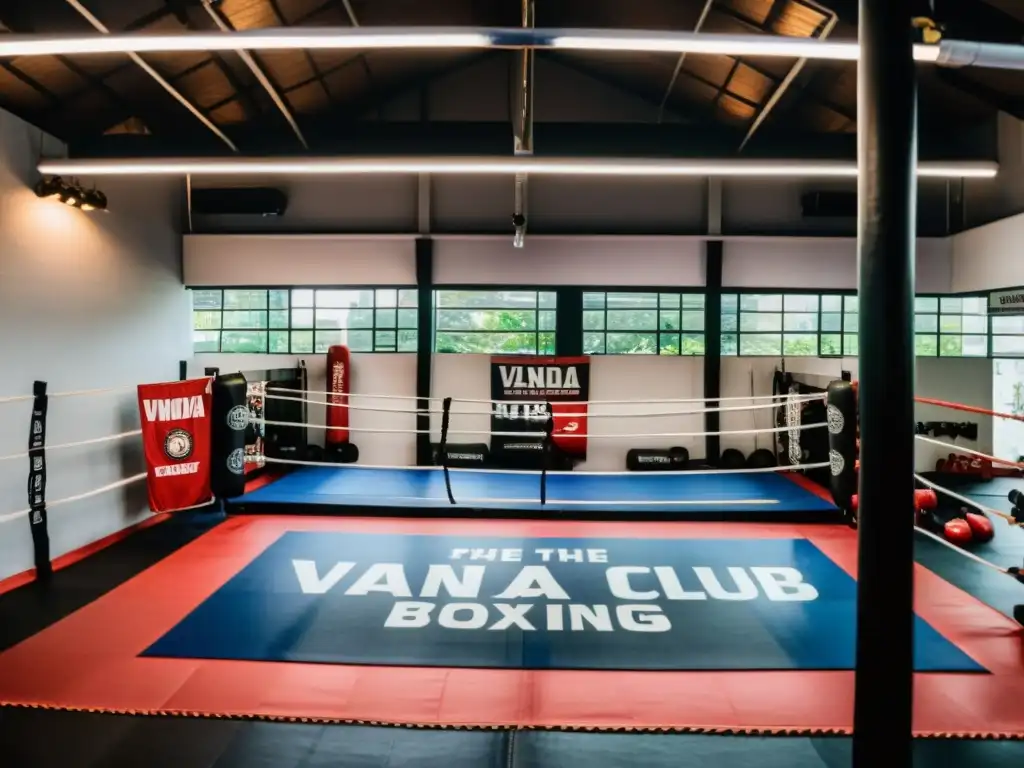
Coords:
257,71
766,109
682,58
178,96
523,129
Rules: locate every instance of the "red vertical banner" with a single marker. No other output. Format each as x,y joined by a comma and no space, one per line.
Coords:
176,434
339,373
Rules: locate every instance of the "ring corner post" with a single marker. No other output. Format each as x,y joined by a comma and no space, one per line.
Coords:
887,188
38,521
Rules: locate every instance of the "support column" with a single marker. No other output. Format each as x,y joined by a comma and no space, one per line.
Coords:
424,345
887,192
712,346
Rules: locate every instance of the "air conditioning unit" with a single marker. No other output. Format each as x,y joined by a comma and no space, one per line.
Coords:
240,201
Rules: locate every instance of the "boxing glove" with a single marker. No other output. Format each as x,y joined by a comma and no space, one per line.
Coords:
958,531
981,527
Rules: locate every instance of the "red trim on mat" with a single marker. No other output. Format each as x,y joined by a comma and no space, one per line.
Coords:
809,485
262,479
89,666
76,555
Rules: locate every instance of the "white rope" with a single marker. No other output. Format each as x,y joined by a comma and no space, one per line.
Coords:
640,435
780,397
63,446
592,415
972,452
954,495
79,497
964,552
73,393
536,473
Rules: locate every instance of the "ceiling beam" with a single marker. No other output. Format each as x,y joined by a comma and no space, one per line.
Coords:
1001,101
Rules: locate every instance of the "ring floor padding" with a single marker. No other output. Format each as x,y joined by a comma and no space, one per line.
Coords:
770,493
248,570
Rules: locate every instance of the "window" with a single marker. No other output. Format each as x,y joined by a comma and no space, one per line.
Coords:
643,323
951,326
495,322
304,320
1008,336
789,324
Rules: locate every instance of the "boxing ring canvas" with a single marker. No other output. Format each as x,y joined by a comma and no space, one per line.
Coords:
543,624
727,493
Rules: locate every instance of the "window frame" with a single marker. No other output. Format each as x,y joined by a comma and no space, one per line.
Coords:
843,333
290,329
435,290
658,291
938,333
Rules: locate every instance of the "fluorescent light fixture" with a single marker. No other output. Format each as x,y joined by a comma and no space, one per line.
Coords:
262,40
512,165
367,38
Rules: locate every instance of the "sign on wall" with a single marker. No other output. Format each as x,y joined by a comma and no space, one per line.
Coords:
1009,302
524,387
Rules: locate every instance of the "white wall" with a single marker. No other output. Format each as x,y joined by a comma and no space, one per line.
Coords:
589,261
219,260
86,301
989,257
822,263
377,374
959,380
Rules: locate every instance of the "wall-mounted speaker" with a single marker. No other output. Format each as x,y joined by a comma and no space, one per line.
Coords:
241,201
835,205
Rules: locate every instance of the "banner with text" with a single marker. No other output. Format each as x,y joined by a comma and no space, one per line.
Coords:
522,388
1006,302
176,437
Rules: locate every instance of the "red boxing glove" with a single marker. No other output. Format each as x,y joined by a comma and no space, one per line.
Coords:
981,526
958,531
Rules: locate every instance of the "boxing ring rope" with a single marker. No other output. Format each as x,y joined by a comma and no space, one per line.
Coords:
398,431
536,472
78,497
77,444
438,412
748,398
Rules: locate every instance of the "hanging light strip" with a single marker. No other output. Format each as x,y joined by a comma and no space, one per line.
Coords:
454,38
498,165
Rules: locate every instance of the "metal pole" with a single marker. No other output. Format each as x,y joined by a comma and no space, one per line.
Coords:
887,155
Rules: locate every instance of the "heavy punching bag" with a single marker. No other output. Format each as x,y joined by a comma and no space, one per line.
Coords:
230,416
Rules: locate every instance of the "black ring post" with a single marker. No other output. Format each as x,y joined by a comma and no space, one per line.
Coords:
442,446
37,482
887,191
549,430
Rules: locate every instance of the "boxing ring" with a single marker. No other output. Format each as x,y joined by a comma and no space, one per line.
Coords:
520,599
728,493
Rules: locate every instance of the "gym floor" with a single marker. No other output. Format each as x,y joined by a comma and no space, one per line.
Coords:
41,738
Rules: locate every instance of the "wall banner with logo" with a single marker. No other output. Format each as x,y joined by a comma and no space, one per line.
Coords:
176,437
1006,302
522,388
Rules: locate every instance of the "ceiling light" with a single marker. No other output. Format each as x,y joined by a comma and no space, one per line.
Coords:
501,165
94,200
259,40
369,38
49,187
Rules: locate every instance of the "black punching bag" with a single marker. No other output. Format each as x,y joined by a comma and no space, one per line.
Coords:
230,418
841,416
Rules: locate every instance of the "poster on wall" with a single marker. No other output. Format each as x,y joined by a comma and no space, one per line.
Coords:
523,388
1006,302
